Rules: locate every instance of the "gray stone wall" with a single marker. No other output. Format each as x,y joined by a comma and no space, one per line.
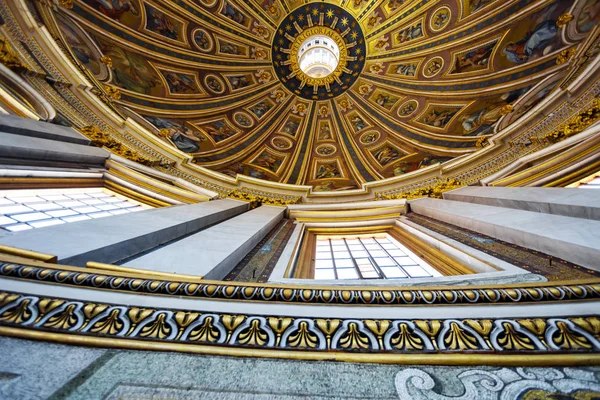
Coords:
38,370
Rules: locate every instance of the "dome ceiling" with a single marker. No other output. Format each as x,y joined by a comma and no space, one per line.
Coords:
418,82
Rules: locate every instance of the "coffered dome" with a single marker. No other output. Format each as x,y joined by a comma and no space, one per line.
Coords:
402,85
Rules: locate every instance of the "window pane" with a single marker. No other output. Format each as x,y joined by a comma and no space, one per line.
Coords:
4,201
31,217
341,254
323,264
323,256
396,253
28,199
100,215
92,201
324,274
6,220
378,253
356,247
41,224
339,248
86,210
337,241
372,246
347,273
76,218
390,246
54,197
405,261
416,272
393,272
344,263
369,274
368,241
14,209
356,254
44,206
61,213
363,261
384,262
382,240
17,228
352,241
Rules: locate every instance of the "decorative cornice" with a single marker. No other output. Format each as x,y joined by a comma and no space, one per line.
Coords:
577,123
307,294
258,197
506,336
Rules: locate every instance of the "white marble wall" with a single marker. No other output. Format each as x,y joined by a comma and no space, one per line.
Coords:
112,239
560,201
573,239
215,251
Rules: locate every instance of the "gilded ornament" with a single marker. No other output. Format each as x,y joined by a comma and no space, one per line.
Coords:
113,92
565,55
576,124
564,20
66,3
8,55
507,109
106,60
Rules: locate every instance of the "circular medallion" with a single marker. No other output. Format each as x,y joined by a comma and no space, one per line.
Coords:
243,120
440,18
281,143
326,149
318,51
369,137
407,108
214,84
433,67
203,40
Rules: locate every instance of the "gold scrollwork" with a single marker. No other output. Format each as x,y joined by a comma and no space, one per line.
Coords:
256,200
564,56
576,124
8,55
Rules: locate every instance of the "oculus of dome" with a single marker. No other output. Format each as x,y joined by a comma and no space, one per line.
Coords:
303,26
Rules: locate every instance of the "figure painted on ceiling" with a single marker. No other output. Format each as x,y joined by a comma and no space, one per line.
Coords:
218,130
589,16
475,59
180,83
214,84
239,81
230,48
291,127
243,120
328,171
412,32
521,51
406,69
440,19
181,136
385,100
233,14
131,70
324,132
202,40
358,123
114,8
162,24
476,5
439,118
386,155
393,5
481,122
408,109
268,161
260,108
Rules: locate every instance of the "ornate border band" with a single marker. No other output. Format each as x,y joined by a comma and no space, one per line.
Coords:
526,337
308,295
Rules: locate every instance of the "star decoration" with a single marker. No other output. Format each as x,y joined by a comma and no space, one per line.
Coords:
315,12
288,27
329,14
344,21
300,17
354,35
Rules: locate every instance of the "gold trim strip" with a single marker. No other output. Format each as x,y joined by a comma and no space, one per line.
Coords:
505,360
136,271
14,251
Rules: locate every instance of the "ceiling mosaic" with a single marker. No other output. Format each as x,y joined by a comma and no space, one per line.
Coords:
418,82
